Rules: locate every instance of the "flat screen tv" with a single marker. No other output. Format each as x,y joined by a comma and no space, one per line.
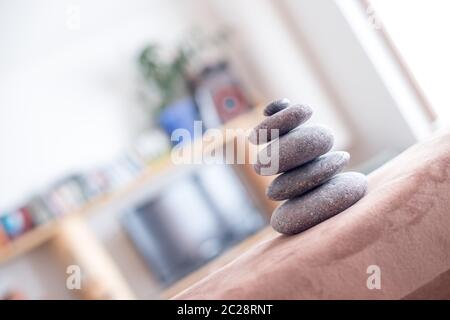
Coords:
192,220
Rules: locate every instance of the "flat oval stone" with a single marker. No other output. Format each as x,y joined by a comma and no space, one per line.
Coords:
296,182
332,197
281,123
276,106
294,149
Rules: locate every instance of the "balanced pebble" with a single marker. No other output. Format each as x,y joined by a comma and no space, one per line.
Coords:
276,106
296,182
294,149
280,123
334,196
309,179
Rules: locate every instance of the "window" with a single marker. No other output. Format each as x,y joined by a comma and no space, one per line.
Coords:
419,31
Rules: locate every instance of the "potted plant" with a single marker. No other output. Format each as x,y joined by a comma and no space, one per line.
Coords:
167,79
171,100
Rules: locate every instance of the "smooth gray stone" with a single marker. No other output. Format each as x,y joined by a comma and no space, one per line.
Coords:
294,149
296,182
334,196
285,120
276,106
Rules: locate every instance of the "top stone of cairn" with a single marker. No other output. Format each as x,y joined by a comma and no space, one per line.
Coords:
276,106
280,123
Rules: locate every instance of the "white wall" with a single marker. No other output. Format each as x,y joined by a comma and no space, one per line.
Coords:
68,96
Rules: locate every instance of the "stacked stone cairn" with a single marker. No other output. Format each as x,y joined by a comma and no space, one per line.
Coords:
309,175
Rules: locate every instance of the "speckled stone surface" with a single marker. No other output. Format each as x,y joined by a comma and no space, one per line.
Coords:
294,149
276,106
332,197
309,178
284,120
295,182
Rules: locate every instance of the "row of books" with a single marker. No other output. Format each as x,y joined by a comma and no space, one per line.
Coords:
68,195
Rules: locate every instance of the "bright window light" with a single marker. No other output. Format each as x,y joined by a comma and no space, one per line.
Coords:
420,31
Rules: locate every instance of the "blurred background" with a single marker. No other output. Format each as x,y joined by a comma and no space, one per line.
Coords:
91,205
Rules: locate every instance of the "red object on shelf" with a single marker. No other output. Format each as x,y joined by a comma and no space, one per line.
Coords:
27,219
230,102
220,96
3,236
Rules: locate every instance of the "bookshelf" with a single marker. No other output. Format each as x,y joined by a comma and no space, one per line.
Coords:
28,241
48,231
44,233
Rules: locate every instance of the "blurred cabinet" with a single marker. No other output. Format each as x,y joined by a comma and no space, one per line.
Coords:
77,246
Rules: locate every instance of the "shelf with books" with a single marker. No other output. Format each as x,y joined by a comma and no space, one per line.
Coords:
46,231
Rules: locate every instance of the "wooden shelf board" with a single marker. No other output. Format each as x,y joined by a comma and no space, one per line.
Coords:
27,241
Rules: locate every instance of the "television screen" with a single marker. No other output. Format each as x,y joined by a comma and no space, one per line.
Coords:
192,220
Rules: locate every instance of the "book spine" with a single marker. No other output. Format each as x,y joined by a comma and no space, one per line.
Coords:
54,199
3,236
66,198
27,219
38,210
14,224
